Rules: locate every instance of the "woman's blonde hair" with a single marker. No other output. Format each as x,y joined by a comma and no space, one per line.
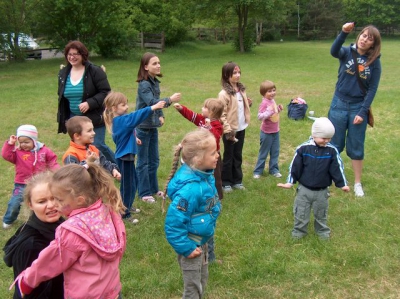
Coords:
36,180
192,148
374,52
113,99
90,181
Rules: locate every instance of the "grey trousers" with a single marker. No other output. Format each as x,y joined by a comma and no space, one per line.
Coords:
306,200
195,274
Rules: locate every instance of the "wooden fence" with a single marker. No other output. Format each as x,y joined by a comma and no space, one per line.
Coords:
152,41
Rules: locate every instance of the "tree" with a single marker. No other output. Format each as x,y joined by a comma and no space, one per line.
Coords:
174,17
383,14
15,17
102,25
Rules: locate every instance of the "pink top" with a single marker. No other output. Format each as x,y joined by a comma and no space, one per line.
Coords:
88,249
268,113
27,163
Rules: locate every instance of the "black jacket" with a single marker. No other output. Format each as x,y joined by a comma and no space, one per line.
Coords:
95,89
22,249
315,167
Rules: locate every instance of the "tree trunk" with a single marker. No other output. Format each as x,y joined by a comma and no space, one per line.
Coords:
259,27
242,12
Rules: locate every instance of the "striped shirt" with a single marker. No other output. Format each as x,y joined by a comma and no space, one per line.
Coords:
74,92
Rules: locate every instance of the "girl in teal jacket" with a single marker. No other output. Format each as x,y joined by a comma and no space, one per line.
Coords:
195,207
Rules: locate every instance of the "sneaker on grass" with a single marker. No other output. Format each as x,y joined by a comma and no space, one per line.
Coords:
358,190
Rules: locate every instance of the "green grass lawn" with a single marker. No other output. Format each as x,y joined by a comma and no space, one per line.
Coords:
260,260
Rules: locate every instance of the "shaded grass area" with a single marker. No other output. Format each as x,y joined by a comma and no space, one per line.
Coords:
260,260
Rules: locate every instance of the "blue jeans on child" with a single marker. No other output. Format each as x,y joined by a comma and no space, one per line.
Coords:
128,184
100,143
14,204
269,144
148,161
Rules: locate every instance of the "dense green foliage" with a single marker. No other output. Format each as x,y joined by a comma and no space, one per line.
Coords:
111,28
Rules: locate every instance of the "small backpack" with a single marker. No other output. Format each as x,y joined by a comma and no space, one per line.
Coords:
297,109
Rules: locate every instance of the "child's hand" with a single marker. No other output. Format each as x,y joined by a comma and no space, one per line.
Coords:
138,141
195,253
162,120
178,106
346,188
348,27
176,97
13,139
250,101
91,156
280,107
230,136
158,106
285,186
116,174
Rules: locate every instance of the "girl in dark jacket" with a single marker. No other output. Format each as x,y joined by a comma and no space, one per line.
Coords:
35,235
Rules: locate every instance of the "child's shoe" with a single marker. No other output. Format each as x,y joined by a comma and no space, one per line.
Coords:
277,175
135,211
6,226
239,186
132,220
227,189
358,190
149,199
256,176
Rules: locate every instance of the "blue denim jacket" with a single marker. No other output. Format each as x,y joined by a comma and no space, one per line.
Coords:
148,95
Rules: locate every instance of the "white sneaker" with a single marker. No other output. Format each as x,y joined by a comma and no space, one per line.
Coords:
256,176
277,175
6,226
358,190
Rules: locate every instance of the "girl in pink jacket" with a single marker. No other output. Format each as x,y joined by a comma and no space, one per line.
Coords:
89,245
29,157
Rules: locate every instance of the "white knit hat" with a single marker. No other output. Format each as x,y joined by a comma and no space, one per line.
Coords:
28,131
322,128
31,132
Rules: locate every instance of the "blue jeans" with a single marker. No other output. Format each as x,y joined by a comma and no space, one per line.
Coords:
342,114
269,144
100,143
128,184
147,161
14,204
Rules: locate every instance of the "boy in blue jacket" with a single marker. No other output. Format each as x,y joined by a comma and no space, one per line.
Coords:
315,164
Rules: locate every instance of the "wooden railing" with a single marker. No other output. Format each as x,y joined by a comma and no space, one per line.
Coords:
152,41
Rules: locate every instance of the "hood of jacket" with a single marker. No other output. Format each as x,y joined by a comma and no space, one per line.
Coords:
230,90
101,227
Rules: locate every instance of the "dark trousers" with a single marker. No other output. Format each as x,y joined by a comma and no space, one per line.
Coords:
218,179
232,160
128,185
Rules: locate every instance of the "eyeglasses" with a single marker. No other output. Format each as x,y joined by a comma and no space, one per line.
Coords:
73,54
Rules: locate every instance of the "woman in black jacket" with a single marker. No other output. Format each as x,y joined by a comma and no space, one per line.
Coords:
35,235
82,88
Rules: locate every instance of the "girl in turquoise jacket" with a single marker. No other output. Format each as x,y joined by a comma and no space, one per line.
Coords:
195,207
